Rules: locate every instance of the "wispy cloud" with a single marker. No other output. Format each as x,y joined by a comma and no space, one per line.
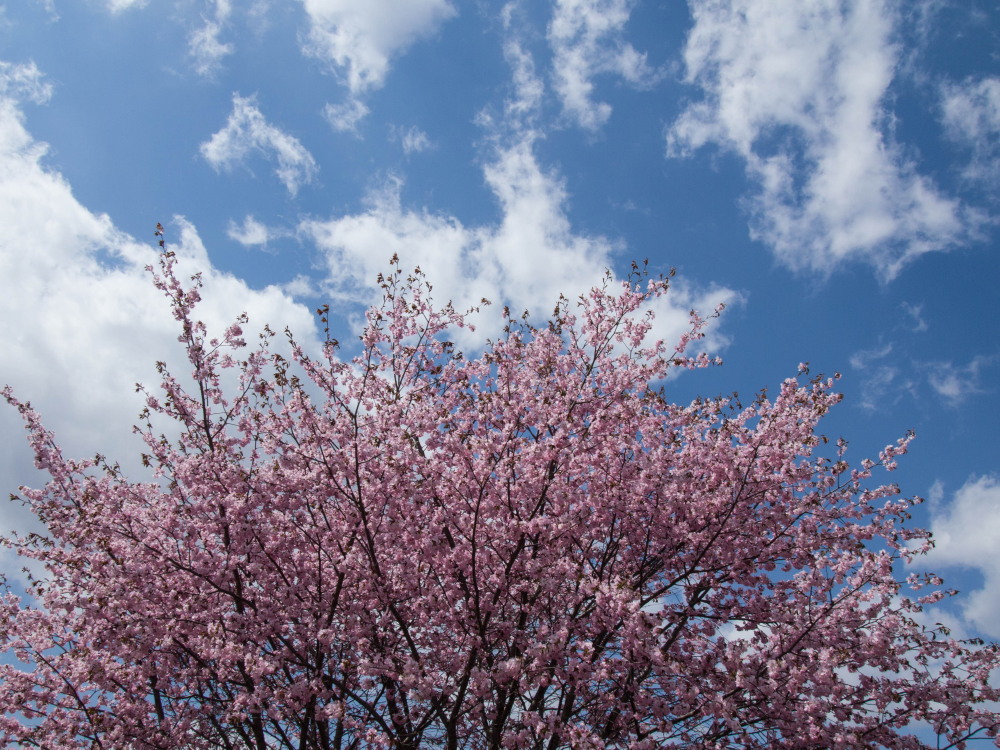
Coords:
587,39
24,82
916,315
204,46
887,375
798,91
359,38
864,359
957,383
245,132
523,101
413,140
970,112
345,117
117,6
48,6
879,371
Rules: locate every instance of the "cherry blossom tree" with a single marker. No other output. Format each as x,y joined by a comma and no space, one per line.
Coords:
532,548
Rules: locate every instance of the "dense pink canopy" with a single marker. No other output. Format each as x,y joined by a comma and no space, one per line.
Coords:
529,549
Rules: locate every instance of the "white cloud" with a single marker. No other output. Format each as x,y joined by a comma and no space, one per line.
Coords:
250,233
798,91
247,131
886,377
85,322
971,116
344,118
360,37
117,6
880,388
883,381
203,43
955,383
257,13
412,139
967,534
916,313
587,40
24,81
301,286
863,360
521,107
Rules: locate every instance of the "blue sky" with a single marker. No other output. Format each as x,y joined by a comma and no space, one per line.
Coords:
828,168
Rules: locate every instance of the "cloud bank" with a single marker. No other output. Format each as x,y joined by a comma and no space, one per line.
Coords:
967,534
83,322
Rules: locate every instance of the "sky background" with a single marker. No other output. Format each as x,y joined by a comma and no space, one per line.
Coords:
827,168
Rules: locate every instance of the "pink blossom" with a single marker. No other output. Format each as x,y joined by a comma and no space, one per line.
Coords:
528,548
